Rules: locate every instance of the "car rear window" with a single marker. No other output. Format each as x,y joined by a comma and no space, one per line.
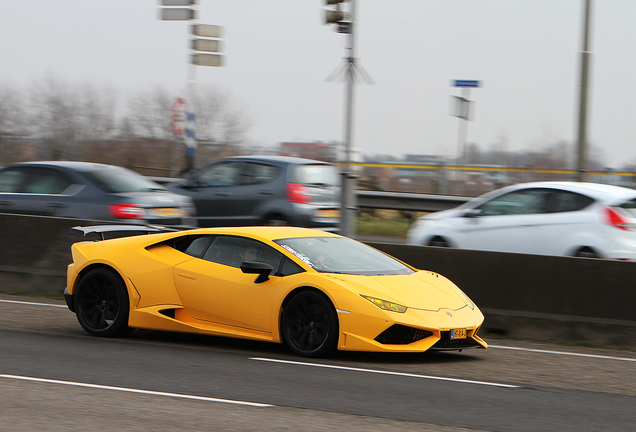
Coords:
629,207
316,175
120,180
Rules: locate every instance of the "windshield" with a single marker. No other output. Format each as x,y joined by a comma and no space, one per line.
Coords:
121,180
342,255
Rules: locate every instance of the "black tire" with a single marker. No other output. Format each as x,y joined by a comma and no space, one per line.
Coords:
276,220
309,325
586,252
102,304
438,242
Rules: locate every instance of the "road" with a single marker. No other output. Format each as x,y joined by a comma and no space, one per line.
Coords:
53,376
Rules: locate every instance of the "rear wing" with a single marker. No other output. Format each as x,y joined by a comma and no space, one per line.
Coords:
103,229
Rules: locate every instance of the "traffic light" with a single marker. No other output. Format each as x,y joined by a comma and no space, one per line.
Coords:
337,16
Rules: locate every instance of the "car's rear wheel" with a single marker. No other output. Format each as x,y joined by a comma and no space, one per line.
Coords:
276,220
586,252
101,303
309,324
439,242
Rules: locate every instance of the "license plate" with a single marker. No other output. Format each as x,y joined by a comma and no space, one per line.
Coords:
458,334
166,212
328,213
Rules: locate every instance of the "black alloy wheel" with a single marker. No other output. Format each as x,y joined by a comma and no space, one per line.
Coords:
101,303
310,324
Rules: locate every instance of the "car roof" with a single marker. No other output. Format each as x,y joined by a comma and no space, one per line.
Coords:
274,158
265,232
73,165
598,191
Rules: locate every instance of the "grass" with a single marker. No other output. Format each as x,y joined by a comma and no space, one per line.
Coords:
383,225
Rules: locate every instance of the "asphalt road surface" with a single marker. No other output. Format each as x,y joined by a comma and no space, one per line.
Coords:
54,376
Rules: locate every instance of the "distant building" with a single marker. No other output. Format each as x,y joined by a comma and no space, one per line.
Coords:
310,150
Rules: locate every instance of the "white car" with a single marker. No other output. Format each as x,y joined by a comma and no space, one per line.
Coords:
547,218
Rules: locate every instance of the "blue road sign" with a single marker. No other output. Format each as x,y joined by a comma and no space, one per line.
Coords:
467,83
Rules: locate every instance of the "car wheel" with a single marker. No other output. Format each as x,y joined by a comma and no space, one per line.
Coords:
101,303
310,324
276,220
586,253
439,242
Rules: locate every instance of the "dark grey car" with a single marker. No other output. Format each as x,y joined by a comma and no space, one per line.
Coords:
90,191
264,190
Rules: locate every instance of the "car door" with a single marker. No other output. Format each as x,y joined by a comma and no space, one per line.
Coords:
212,189
563,227
213,288
506,223
42,191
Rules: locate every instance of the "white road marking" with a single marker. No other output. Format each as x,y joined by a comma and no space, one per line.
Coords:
387,372
33,303
596,356
131,390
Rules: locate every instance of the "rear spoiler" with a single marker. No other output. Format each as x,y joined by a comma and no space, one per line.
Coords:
102,229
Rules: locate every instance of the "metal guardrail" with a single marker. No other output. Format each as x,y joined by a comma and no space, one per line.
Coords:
407,201
388,200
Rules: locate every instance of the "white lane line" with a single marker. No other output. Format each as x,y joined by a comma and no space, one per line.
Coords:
33,304
564,353
131,390
381,372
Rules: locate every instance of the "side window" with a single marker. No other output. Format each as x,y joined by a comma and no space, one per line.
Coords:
220,174
198,246
563,201
12,179
194,245
232,251
527,201
47,181
289,268
254,173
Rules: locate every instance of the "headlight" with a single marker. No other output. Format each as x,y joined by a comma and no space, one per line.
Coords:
469,302
385,304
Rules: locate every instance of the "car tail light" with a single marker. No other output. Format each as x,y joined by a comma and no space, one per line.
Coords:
126,211
298,193
616,220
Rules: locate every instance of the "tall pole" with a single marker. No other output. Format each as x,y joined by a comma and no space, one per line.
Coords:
581,166
347,211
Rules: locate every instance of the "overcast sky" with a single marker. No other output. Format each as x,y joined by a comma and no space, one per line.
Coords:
278,53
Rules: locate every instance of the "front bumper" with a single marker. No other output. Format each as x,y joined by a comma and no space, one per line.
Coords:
70,300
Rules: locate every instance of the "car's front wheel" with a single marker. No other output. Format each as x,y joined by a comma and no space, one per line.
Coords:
309,324
101,303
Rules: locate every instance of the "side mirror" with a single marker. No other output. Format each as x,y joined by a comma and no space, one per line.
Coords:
254,267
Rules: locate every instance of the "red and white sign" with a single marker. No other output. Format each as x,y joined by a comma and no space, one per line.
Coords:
179,116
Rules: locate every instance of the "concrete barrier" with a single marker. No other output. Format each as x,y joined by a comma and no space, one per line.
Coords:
540,297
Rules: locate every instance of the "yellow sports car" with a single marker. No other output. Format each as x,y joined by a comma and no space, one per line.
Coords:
312,290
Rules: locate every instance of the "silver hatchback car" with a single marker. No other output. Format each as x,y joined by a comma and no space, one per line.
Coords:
90,191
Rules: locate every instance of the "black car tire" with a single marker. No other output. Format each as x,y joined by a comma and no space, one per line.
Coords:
309,324
102,304
438,242
276,220
586,252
